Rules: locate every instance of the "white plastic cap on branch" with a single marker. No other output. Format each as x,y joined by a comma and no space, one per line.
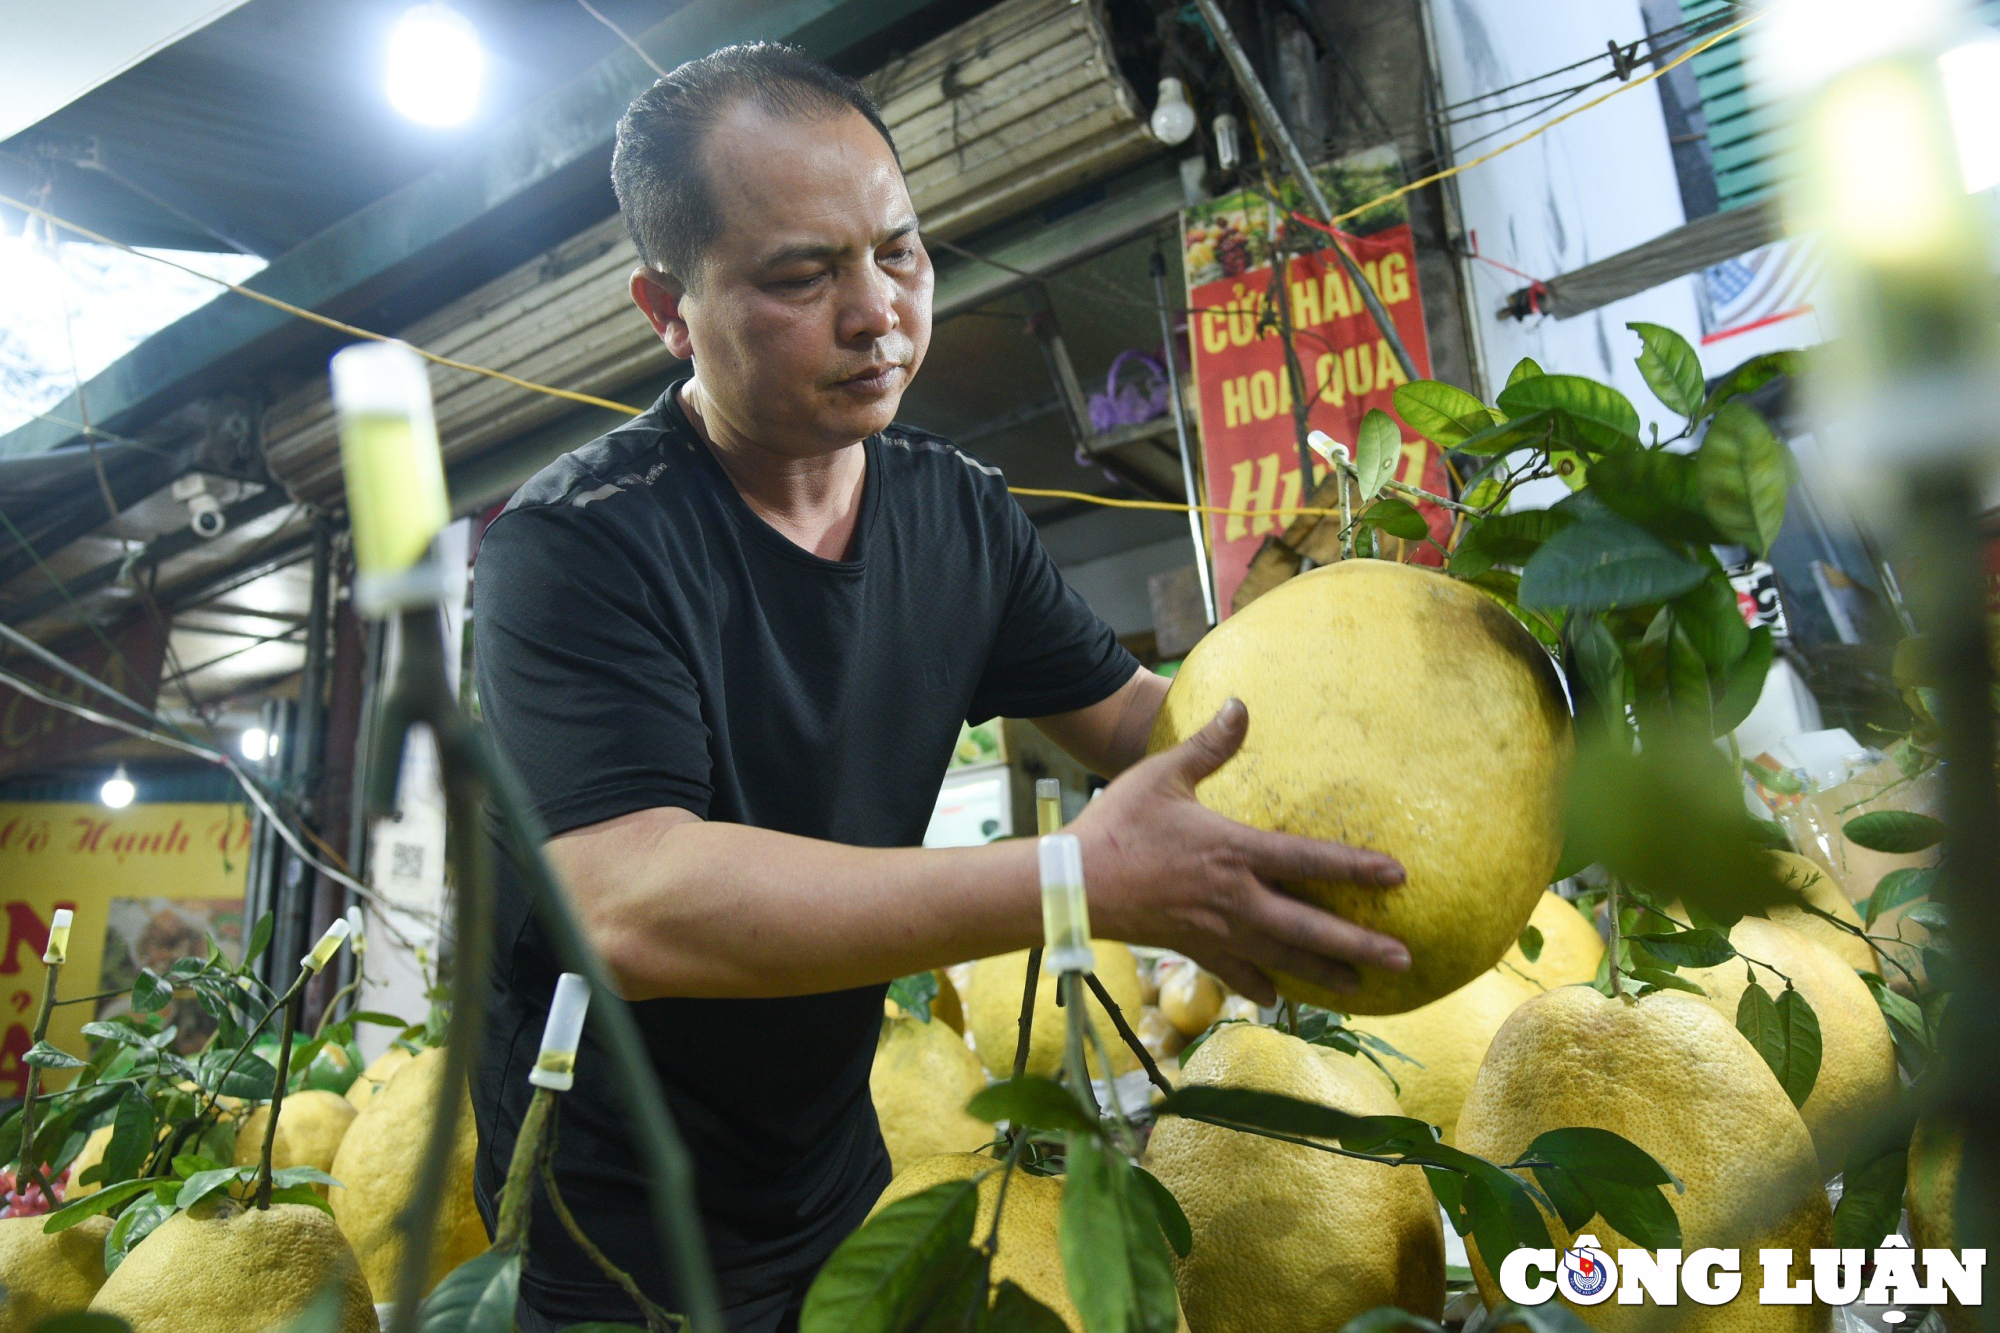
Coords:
328,946
555,1067
354,922
58,949
1065,909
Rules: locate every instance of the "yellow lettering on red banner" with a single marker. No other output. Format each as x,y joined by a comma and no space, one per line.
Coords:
1305,304
1388,370
1214,331
1395,286
1242,495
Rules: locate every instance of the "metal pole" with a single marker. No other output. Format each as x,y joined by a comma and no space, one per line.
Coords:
1196,526
1295,162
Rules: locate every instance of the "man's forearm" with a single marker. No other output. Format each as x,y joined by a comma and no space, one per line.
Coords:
688,908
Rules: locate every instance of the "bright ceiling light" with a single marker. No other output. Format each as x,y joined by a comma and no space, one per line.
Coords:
1972,87
256,744
436,65
118,791
1173,118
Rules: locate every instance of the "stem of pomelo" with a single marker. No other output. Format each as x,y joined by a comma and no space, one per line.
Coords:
510,1232
1125,1031
27,1169
1616,975
263,1195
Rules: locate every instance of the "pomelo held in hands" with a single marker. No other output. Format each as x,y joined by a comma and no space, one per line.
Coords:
1394,709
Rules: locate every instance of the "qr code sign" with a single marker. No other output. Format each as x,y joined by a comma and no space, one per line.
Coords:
406,860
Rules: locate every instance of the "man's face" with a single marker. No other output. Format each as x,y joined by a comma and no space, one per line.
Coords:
811,310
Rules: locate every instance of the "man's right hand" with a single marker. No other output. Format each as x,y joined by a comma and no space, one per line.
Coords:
1165,870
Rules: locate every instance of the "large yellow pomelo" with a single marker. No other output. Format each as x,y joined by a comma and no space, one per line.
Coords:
222,1268
310,1127
377,1167
86,1157
377,1075
1446,1039
1571,946
1190,999
921,1080
1287,1237
1936,1152
1678,1080
1857,1072
1817,888
1028,1253
994,1005
48,1275
1395,709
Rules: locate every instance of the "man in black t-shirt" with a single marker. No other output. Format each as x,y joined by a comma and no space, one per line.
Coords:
729,646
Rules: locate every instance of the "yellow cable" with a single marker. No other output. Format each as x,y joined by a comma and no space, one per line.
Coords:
591,400
1545,127
315,317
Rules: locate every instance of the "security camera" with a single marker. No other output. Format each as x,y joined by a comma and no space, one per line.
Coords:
205,514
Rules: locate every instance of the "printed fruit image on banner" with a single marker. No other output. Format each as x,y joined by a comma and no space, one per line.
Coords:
148,884
1249,447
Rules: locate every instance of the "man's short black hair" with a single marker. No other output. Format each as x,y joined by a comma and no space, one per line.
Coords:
656,168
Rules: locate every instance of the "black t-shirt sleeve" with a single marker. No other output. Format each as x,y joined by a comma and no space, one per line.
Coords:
1051,653
586,691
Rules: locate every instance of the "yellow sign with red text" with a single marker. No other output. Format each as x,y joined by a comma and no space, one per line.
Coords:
148,884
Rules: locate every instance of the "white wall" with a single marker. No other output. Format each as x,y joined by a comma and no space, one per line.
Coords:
1591,187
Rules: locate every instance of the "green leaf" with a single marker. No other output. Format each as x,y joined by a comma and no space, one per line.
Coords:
1120,1274
1602,563
1166,1210
1261,1110
1671,368
1444,414
1530,943
1037,1103
1537,430
1786,1033
915,993
1390,1319
1551,1318
1871,1197
1600,1154
260,939
44,1056
1752,375
1573,1206
1524,369
1506,539
119,1030
90,1205
1659,491
1015,1311
1376,450
1658,978
189,1164
1397,518
1744,683
1638,1212
1598,659
132,1137
1745,472
151,992
253,1078
478,1296
1896,831
1602,417
204,1183
894,1266
1899,887
301,1175
1931,916
1687,948
380,1020
1713,621
1906,1024
302,1194
133,1225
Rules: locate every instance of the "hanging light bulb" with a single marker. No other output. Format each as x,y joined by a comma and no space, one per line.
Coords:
1173,119
435,65
1228,149
118,791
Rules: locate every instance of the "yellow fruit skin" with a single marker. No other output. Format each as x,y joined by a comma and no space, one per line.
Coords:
1936,1152
1395,709
1285,1237
374,1078
1447,1039
1817,887
88,1156
921,1080
1571,946
1857,1073
222,1269
995,1012
1190,999
945,1007
1671,1075
1028,1252
310,1127
377,1168
48,1275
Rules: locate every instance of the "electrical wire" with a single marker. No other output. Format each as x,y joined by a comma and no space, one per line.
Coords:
639,50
